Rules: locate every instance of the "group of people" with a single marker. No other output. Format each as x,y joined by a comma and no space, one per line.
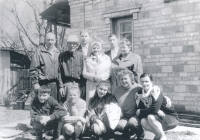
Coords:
85,88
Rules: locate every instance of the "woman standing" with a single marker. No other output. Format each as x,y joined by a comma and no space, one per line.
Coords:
155,113
126,59
96,69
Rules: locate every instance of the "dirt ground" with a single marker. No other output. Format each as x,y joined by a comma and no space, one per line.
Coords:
8,115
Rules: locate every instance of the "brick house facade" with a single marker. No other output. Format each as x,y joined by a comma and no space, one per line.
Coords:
165,35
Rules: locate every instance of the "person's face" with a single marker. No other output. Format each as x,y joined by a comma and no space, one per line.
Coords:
72,46
124,48
146,83
73,96
96,49
113,42
43,97
50,41
125,81
102,90
85,37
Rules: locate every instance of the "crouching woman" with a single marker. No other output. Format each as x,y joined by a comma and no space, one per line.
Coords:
104,111
156,114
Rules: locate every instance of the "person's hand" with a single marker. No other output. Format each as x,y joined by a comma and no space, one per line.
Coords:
101,126
114,66
138,112
65,118
62,92
36,86
83,120
44,119
97,79
161,114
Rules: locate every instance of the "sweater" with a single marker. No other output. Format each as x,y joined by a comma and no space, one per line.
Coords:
49,108
126,99
153,102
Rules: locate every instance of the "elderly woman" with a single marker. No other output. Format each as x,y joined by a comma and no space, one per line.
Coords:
126,59
96,69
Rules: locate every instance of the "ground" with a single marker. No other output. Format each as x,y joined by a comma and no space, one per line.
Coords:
14,125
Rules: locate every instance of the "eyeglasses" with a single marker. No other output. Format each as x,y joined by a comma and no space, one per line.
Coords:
72,43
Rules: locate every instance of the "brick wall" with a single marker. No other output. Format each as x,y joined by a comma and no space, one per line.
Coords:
166,36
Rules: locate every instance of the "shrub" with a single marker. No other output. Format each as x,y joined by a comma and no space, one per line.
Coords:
7,99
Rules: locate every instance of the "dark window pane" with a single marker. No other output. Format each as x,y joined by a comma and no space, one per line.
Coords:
125,27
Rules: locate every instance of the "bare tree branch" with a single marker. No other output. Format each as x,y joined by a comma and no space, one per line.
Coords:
35,15
26,33
8,35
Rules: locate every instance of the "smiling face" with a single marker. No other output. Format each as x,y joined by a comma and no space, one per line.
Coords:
72,46
43,96
96,49
85,37
50,40
124,48
73,96
126,81
102,90
146,83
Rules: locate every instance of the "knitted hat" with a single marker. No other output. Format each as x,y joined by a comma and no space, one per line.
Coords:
72,38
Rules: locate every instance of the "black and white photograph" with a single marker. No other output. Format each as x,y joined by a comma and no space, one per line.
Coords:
99,69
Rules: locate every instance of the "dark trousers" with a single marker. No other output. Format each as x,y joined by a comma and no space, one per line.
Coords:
130,126
50,126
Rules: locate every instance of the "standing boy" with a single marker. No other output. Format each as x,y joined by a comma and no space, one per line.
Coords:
125,95
85,46
45,113
114,47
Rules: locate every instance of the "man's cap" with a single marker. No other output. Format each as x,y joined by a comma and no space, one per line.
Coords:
72,38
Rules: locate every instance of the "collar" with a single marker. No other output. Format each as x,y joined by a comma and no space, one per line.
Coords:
43,49
70,54
115,50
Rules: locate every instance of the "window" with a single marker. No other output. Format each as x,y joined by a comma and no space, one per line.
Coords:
122,27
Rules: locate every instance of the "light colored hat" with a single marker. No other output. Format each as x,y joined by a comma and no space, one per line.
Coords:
72,38
93,43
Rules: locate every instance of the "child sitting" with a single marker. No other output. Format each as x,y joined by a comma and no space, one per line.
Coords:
74,121
104,111
45,113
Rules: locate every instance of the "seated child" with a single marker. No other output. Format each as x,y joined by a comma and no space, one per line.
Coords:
45,112
104,111
74,121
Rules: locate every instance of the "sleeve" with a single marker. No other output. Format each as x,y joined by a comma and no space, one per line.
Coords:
34,113
58,110
93,116
139,68
87,74
154,107
107,70
60,82
82,108
34,68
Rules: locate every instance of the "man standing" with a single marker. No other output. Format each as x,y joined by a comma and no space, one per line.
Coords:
85,46
114,51
44,66
71,67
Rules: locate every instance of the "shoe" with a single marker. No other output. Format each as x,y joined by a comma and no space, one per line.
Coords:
156,139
